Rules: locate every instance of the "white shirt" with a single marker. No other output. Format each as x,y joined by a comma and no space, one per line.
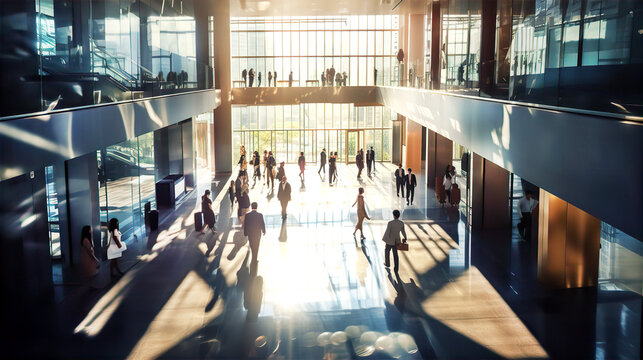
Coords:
448,182
525,205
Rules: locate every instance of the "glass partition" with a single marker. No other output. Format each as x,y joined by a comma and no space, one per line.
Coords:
289,129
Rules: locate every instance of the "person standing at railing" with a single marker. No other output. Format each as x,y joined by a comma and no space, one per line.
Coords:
243,76
251,76
275,79
259,79
269,78
290,79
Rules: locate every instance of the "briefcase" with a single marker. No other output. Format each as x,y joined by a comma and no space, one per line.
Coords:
403,247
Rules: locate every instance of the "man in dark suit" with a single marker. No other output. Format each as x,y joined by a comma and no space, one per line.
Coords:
283,195
359,161
253,227
237,188
373,158
368,162
411,183
322,161
399,179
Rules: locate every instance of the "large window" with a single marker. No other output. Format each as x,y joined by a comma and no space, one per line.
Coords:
287,130
307,46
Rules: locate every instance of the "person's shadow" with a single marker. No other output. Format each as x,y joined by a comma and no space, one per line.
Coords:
253,293
302,188
283,233
239,240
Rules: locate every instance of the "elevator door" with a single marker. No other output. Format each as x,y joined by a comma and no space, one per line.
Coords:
354,142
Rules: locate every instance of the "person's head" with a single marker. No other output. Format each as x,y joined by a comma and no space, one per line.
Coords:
448,169
231,182
409,169
361,190
396,214
256,153
113,225
86,233
270,153
529,194
301,153
254,205
335,153
324,149
207,193
265,151
399,165
371,148
282,164
283,179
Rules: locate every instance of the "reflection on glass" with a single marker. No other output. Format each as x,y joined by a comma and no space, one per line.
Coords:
52,213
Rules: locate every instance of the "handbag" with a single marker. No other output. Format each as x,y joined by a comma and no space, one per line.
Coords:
403,247
113,251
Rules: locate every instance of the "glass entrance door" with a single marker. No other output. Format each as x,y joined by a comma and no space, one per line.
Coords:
354,142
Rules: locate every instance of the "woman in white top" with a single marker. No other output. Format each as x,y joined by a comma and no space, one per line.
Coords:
449,180
114,237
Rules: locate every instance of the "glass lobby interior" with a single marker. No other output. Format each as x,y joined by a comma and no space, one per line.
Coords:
106,102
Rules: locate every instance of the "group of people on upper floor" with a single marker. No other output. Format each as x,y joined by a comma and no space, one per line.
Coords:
331,77
174,79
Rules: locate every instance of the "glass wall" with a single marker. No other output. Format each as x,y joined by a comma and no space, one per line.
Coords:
584,54
361,46
127,182
289,129
52,213
60,53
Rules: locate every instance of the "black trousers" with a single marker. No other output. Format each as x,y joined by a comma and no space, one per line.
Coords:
387,256
524,226
399,185
368,167
410,192
322,167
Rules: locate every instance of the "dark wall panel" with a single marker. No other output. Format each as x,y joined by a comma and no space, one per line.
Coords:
161,155
82,197
188,153
175,149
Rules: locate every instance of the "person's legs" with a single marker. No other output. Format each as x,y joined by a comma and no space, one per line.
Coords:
387,255
284,209
396,259
527,222
397,187
408,193
412,191
448,192
254,249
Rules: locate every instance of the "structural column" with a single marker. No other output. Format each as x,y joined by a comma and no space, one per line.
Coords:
222,136
435,45
568,244
413,148
490,195
415,36
439,154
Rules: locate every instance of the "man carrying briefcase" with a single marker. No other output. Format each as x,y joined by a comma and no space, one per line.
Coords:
392,239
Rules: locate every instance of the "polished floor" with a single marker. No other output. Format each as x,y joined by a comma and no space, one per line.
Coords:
318,292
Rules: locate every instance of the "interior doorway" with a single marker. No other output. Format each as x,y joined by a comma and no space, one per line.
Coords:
354,142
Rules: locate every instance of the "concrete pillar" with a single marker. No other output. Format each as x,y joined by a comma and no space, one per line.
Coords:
220,9
568,244
488,46
436,29
490,195
398,128
415,45
413,145
439,154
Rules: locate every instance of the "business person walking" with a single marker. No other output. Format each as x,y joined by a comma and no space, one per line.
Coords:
361,213
322,162
392,239
253,228
283,195
399,179
411,183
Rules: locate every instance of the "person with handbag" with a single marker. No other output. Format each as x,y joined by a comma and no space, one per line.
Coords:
392,239
244,206
88,260
115,247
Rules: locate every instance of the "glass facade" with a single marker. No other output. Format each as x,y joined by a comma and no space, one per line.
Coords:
289,129
126,182
583,54
60,53
307,46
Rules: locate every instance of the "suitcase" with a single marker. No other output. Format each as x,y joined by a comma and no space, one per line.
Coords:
455,195
440,193
154,220
198,221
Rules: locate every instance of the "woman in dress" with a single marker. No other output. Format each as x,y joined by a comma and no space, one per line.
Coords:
302,165
361,213
208,213
114,236
265,162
